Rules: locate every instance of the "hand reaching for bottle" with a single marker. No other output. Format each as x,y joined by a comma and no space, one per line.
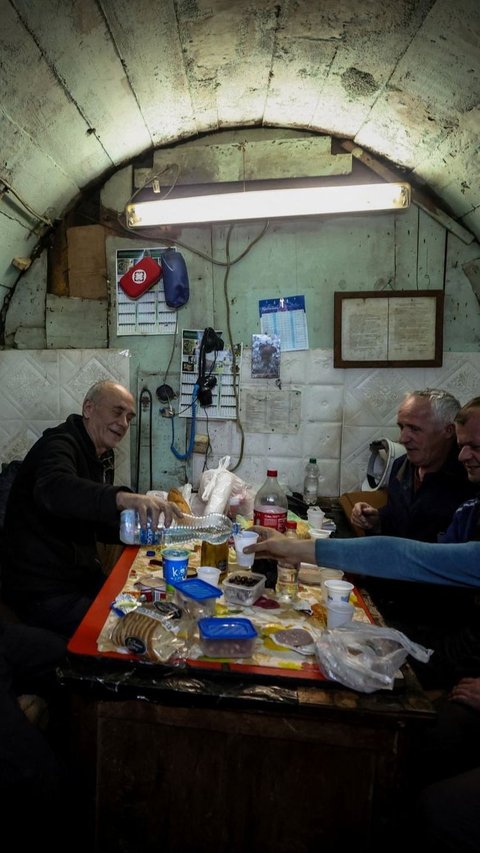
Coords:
150,506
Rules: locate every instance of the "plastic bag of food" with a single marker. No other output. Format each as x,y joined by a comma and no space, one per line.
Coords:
216,486
365,657
153,633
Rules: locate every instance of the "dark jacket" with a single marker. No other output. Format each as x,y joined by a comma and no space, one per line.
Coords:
61,503
465,523
427,512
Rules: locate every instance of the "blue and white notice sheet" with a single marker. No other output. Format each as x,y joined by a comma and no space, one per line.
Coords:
287,318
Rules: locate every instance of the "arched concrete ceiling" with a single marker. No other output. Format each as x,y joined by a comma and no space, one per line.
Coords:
86,85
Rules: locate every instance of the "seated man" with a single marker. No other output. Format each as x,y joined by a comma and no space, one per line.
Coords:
425,488
452,565
61,503
428,483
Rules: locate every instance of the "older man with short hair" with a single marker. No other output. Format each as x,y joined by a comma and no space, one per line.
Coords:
62,503
429,482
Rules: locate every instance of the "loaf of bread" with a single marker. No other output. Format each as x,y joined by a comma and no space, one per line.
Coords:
176,497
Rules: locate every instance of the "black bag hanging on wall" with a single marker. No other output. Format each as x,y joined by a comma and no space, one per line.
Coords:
175,278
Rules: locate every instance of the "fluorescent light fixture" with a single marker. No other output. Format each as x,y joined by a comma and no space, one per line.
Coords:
269,204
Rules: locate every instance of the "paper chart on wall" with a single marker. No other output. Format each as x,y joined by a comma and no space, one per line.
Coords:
287,318
149,314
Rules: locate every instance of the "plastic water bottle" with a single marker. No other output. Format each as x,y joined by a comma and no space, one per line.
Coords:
214,528
310,483
286,587
270,505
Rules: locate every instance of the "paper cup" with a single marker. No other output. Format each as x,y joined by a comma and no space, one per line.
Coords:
210,574
339,614
319,534
175,565
315,517
337,591
241,540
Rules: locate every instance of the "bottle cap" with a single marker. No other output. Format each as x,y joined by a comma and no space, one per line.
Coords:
292,525
271,472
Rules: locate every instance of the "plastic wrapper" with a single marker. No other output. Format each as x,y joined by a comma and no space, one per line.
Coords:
216,486
157,633
365,657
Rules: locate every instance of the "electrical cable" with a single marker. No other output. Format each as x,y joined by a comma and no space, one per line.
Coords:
159,235
145,399
139,436
234,361
25,204
191,442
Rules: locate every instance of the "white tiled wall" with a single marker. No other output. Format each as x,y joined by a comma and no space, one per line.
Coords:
39,388
342,412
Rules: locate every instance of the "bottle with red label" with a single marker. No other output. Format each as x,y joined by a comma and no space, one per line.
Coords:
270,506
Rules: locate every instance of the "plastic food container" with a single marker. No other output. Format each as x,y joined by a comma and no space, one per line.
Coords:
243,588
227,637
196,597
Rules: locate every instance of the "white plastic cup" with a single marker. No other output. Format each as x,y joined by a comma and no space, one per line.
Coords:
210,574
241,540
325,574
339,614
337,591
319,533
315,517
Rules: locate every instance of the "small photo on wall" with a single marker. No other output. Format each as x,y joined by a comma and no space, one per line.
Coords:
265,357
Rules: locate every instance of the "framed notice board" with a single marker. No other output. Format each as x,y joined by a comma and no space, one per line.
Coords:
402,328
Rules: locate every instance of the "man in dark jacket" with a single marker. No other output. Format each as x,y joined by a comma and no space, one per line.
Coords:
61,504
427,484
425,488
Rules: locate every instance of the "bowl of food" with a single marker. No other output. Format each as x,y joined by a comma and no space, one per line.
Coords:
243,588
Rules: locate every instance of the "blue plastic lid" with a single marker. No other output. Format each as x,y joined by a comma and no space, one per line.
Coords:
221,628
197,589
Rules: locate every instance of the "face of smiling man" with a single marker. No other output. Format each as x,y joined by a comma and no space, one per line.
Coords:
468,439
107,415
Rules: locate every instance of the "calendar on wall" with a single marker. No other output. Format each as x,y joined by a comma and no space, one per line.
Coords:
222,370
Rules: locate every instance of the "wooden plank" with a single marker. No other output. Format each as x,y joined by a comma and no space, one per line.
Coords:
87,264
250,161
419,198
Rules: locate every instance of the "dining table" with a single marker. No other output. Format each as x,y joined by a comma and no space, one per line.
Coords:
268,755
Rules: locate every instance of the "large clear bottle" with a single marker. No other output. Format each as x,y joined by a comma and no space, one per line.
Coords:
286,587
270,506
310,483
214,528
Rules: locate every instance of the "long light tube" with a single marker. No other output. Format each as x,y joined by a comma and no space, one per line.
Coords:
269,204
